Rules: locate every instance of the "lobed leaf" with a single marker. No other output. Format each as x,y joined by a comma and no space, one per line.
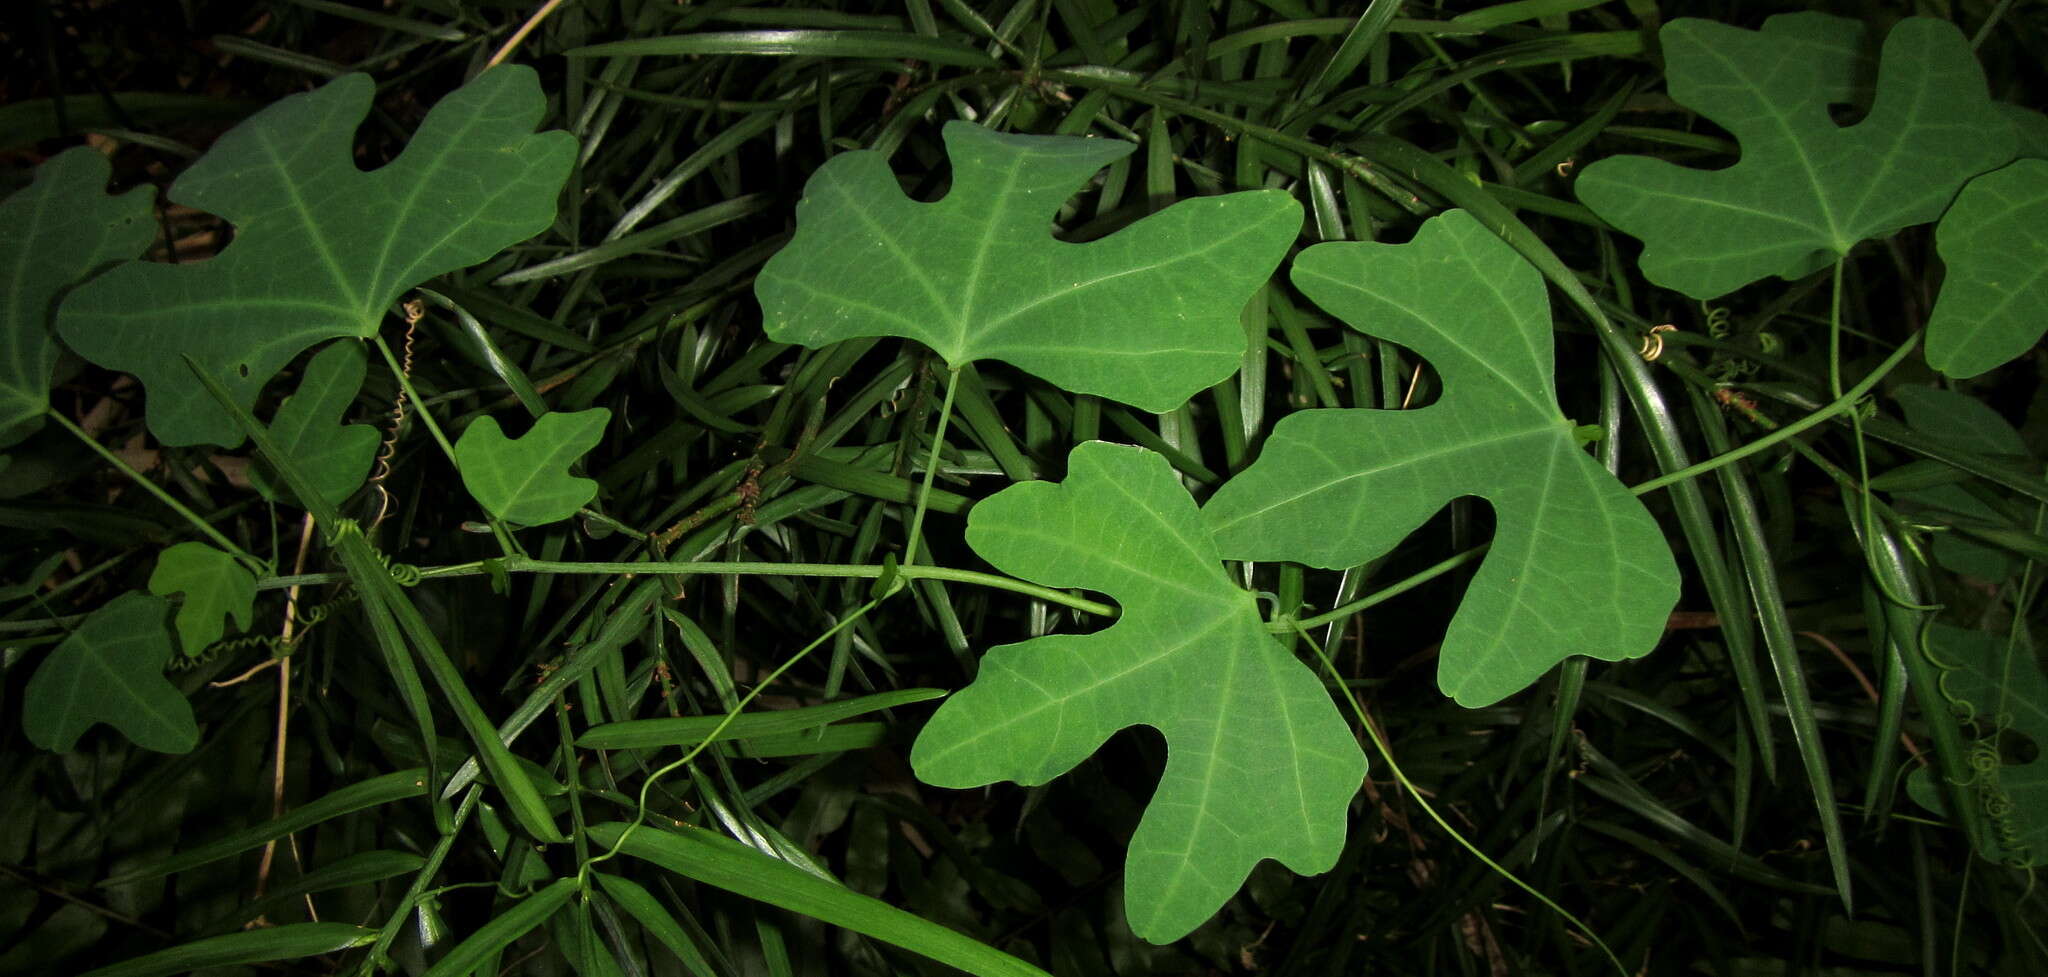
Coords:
527,480
1147,315
1259,762
1577,566
214,585
322,249
333,457
1806,189
111,670
1995,244
62,228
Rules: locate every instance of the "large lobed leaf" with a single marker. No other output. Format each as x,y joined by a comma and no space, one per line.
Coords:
111,670
322,249
60,229
1577,565
1147,315
1259,762
1806,189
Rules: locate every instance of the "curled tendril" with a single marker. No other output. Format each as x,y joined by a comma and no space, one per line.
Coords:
1718,318
276,646
404,574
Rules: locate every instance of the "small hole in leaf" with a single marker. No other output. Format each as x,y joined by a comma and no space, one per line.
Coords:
242,369
2016,749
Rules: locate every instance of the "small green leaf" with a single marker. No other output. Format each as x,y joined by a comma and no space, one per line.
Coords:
1147,315
59,230
1995,243
322,249
256,946
111,670
1806,189
2003,689
214,586
335,457
1259,762
527,481
1577,566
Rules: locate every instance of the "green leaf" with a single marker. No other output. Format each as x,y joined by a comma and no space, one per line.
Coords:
503,929
719,861
256,946
355,797
59,230
1806,189
214,586
655,919
1965,423
527,481
1986,677
305,428
1995,244
1147,315
111,670
687,731
1577,566
1259,763
322,249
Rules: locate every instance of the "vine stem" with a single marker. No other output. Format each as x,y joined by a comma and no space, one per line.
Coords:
1844,403
1300,628
153,488
640,810
931,467
521,564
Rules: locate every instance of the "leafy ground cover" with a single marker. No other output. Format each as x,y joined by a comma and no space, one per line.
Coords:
1021,488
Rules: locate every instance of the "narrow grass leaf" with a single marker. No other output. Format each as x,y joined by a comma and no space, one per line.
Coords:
691,730
496,935
256,946
346,800
723,863
802,43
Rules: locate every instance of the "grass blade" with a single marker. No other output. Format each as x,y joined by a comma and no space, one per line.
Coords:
256,946
726,864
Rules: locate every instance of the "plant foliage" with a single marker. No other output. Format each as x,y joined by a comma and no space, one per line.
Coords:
918,398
